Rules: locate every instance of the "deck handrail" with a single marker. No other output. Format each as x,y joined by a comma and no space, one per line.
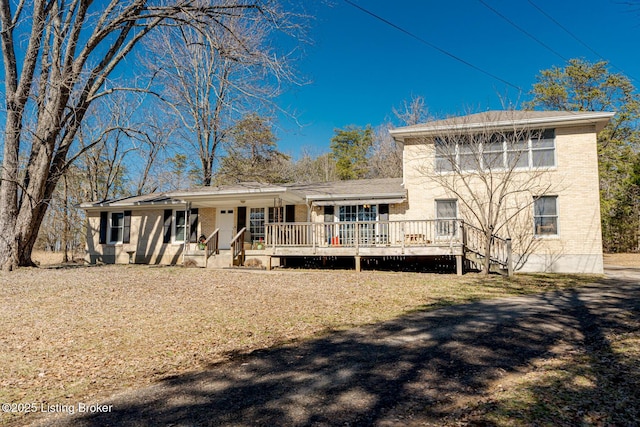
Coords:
500,248
237,247
211,244
359,234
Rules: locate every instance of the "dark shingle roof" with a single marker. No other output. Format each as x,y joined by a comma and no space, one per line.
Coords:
344,190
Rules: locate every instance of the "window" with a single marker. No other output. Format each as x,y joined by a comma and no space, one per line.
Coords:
545,215
518,154
348,213
446,214
468,153
256,223
367,212
468,157
116,227
493,154
180,224
543,153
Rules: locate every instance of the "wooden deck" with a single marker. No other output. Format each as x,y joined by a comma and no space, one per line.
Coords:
370,239
365,239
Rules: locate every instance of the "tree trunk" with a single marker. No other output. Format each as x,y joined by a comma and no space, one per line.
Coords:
487,259
65,217
9,192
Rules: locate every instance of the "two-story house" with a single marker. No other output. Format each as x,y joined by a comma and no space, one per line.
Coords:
511,190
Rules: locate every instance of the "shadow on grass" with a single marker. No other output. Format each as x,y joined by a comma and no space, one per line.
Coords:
413,369
595,383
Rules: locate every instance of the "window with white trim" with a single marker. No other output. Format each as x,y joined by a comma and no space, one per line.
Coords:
545,215
179,226
116,227
536,149
543,149
446,215
256,223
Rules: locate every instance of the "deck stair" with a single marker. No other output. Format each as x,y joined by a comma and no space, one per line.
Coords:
475,250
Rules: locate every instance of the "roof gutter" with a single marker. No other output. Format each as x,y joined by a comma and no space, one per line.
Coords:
599,119
356,196
107,205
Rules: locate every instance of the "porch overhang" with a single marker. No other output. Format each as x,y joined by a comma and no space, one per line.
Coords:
245,197
349,202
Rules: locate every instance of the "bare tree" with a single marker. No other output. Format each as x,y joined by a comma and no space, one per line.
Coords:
151,143
412,112
312,167
494,175
213,79
58,58
385,160
62,228
104,141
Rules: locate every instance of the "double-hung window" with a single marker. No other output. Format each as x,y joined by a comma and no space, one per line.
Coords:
468,157
445,155
545,215
518,154
543,152
446,214
116,227
180,225
493,153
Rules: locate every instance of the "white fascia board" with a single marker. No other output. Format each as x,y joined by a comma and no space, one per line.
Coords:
229,196
228,192
596,118
355,197
120,205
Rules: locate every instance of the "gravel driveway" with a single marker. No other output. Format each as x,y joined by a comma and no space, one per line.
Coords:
407,371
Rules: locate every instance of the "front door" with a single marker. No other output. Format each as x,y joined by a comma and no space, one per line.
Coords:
225,224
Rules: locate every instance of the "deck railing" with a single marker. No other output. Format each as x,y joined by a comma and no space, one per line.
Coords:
211,245
499,250
363,233
392,234
237,248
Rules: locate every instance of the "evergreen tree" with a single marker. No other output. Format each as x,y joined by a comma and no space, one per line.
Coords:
349,149
252,154
585,86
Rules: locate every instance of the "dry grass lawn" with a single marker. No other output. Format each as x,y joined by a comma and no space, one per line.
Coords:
624,260
80,334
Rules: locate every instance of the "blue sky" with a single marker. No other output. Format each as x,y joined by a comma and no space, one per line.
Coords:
360,67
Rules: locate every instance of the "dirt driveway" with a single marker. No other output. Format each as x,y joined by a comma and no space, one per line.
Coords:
409,371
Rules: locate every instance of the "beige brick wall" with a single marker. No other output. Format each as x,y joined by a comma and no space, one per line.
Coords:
301,213
207,220
574,180
398,211
146,239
